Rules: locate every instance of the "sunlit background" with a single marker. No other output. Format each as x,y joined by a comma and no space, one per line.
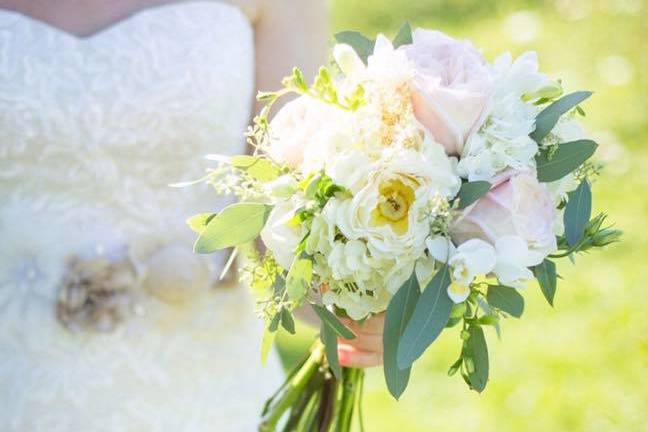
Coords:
582,365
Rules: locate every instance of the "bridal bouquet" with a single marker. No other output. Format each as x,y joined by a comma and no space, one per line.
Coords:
411,178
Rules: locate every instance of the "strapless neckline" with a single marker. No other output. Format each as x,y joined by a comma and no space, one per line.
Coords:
148,12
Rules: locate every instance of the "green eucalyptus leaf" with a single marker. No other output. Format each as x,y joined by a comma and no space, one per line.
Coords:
329,339
274,323
477,351
266,344
429,318
199,222
257,167
545,273
287,321
577,213
362,45
567,157
455,366
398,314
471,192
234,225
548,117
404,36
333,322
507,299
299,278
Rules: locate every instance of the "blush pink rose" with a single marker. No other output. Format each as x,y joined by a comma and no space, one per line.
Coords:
451,88
518,206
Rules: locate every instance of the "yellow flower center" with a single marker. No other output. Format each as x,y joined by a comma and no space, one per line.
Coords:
394,203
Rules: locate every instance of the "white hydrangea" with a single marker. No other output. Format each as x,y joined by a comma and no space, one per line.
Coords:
503,141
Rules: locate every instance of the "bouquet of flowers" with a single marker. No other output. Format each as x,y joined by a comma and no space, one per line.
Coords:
411,178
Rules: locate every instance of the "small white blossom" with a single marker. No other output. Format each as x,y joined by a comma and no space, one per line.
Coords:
471,259
513,260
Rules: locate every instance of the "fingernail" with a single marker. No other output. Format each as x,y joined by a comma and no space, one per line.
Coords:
343,356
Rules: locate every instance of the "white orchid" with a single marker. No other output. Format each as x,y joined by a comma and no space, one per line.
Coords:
513,261
471,259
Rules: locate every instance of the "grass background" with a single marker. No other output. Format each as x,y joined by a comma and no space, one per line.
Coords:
582,365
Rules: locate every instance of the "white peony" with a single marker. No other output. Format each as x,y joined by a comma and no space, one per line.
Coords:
387,211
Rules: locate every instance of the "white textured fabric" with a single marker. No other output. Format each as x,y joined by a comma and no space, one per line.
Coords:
92,131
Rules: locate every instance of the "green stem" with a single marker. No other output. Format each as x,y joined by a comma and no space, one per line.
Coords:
299,409
360,399
293,390
351,379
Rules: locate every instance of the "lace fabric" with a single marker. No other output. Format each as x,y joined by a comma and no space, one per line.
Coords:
92,131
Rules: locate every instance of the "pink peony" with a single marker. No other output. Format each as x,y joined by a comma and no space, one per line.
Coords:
451,88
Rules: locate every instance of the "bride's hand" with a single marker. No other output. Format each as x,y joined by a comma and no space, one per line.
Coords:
366,350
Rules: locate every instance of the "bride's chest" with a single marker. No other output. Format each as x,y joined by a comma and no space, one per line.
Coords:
153,92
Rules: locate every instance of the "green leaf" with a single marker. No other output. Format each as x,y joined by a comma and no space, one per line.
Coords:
577,213
199,222
257,167
331,320
404,36
545,272
567,157
234,225
362,45
274,323
477,350
329,339
548,117
428,319
506,299
398,314
287,321
471,192
266,344
299,278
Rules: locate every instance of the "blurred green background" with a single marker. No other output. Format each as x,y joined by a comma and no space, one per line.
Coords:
582,365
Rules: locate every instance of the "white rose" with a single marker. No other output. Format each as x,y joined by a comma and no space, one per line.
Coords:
280,237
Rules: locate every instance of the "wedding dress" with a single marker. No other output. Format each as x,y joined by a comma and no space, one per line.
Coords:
108,321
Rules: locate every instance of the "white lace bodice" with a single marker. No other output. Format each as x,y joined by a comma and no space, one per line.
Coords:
92,131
